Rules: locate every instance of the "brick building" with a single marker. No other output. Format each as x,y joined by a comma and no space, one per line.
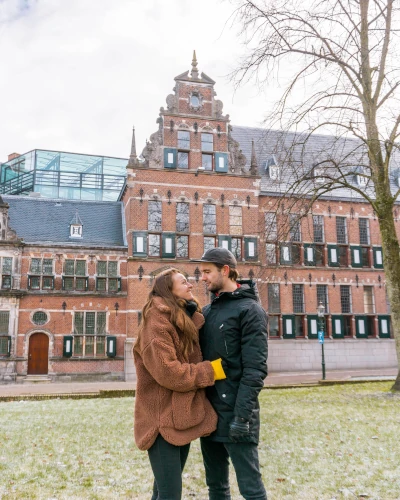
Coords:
198,183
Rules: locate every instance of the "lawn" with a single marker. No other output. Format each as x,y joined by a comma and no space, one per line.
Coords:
334,442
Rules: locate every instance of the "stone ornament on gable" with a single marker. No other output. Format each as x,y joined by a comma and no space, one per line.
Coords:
152,152
171,103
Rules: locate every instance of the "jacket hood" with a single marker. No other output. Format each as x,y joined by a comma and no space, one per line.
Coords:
159,303
247,289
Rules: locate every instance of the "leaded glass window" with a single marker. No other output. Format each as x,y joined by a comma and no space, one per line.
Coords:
369,303
345,298
206,161
154,245
183,159
69,267
207,142
295,227
236,247
341,230
274,298
102,268
298,298
112,268
271,228
36,266
4,322
154,216
47,266
209,219
209,242
182,247
182,218
183,139
322,296
363,225
270,250
318,226
80,267
235,219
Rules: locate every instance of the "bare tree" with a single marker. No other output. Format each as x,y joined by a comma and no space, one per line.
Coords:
344,54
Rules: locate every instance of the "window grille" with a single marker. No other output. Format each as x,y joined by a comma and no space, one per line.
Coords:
69,267
209,219
182,218
112,268
209,242
341,230
183,139
345,299
369,303
318,227
274,299
182,246
47,266
90,323
295,227
154,216
298,298
36,266
235,219
271,229
102,268
90,333
183,159
207,142
4,343
236,247
322,296
4,322
39,318
363,225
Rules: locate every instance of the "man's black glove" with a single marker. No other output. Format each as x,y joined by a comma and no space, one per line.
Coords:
239,429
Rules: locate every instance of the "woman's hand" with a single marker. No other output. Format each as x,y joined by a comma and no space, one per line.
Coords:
219,373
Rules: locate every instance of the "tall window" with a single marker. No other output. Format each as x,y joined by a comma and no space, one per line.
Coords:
90,333
271,229
274,299
298,298
209,242
75,275
318,227
6,272
235,219
4,333
322,296
182,246
369,303
207,142
236,247
182,218
295,227
41,274
363,226
345,299
270,251
341,230
154,223
209,219
107,276
183,148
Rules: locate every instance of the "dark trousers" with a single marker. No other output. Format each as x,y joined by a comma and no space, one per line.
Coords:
167,462
244,457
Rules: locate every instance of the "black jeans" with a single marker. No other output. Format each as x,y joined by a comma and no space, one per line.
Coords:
167,462
244,457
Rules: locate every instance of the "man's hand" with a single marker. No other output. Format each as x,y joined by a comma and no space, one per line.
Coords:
239,429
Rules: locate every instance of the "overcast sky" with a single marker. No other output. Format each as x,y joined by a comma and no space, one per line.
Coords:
76,75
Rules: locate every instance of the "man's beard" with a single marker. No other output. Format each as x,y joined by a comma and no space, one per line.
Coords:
216,287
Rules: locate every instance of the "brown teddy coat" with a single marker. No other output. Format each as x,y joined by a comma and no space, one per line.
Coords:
170,398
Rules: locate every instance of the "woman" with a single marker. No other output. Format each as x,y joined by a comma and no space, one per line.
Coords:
171,407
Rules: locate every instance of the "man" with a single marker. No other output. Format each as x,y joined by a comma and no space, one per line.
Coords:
236,331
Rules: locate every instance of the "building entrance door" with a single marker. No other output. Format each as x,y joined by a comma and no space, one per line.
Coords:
38,358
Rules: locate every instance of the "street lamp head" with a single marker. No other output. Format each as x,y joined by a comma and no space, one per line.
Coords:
321,310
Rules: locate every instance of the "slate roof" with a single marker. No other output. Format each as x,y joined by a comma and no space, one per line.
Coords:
293,155
47,221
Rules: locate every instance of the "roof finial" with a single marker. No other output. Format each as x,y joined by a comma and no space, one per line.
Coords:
133,160
253,163
195,72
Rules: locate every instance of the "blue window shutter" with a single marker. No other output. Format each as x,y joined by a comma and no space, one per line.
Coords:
312,326
221,162
170,157
139,244
333,256
288,326
378,257
356,260
111,346
337,327
168,245
225,242
384,326
250,249
309,254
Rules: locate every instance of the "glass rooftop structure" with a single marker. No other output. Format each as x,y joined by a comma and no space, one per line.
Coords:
56,174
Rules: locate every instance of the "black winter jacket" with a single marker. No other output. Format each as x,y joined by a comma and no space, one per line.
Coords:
236,331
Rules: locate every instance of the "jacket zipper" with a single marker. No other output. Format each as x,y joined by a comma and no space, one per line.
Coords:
223,334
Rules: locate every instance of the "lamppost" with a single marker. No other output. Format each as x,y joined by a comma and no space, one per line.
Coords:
321,328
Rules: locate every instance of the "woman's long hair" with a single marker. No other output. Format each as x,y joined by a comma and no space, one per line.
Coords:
185,327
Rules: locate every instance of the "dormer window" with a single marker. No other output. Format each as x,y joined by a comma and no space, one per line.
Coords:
272,168
76,227
318,174
361,180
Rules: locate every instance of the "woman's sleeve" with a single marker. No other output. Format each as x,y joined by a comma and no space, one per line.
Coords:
160,359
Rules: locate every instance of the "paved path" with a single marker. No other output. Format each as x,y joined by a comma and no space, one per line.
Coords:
287,379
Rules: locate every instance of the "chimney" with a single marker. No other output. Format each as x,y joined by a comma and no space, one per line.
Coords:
12,156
